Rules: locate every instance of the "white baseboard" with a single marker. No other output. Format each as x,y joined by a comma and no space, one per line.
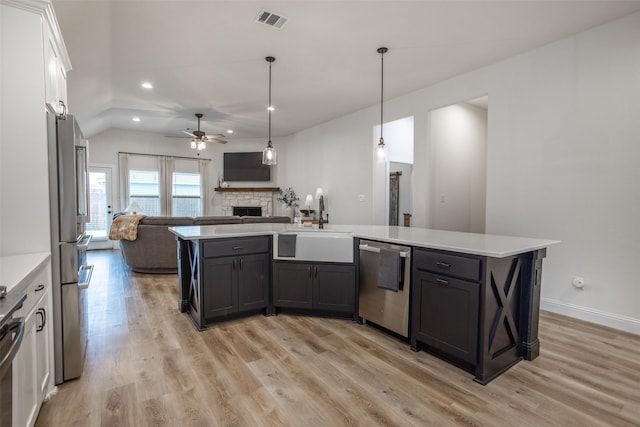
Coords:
624,323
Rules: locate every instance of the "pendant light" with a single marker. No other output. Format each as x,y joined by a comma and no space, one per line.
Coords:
269,155
381,150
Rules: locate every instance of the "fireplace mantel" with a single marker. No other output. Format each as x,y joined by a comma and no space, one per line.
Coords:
261,197
248,189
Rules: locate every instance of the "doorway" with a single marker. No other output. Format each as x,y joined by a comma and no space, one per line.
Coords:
458,137
101,204
398,136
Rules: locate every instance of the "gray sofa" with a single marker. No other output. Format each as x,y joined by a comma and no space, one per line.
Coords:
154,250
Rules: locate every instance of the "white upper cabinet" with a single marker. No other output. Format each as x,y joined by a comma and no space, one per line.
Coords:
55,74
57,65
33,65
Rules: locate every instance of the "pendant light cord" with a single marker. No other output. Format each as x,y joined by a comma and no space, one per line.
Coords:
382,51
270,106
381,92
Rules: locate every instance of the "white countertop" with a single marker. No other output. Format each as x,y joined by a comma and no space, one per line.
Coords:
469,243
16,269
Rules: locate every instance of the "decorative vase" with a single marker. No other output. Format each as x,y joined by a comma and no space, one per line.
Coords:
290,212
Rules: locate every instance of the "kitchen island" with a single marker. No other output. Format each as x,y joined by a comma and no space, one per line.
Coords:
474,297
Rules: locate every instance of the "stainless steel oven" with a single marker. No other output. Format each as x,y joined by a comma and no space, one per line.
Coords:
383,307
10,339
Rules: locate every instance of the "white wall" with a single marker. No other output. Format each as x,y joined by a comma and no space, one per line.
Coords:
104,148
561,162
459,168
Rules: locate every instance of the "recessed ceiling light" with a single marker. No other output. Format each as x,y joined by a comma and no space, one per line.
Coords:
230,131
270,108
136,119
147,85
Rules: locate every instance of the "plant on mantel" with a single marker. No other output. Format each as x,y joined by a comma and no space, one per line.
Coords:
288,198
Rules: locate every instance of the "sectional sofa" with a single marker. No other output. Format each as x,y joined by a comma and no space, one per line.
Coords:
154,249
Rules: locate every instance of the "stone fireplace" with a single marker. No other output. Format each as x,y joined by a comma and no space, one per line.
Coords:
247,201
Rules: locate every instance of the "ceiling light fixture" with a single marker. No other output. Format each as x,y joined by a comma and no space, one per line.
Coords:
230,131
147,85
198,141
381,151
136,119
269,155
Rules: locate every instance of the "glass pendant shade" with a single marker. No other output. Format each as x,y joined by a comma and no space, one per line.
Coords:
269,155
194,143
381,151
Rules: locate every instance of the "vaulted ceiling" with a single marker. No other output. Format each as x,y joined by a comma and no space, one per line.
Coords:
208,56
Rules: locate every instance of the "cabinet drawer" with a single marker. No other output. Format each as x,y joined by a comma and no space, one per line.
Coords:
230,247
451,265
35,290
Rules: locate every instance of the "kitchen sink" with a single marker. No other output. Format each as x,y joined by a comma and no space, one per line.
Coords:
319,245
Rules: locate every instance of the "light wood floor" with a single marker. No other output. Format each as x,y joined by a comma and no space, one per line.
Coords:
147,365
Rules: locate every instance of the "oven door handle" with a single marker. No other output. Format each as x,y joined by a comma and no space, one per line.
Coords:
367,248
16,324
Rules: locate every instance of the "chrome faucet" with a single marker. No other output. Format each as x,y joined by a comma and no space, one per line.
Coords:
321,207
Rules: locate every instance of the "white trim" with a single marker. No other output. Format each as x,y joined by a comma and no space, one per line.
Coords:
612,320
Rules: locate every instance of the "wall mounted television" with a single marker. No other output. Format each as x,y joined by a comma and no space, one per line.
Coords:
245,167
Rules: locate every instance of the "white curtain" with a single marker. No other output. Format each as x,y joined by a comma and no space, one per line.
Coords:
165,166
203,168
123,172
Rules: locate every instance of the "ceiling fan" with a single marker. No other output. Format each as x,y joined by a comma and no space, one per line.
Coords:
199,139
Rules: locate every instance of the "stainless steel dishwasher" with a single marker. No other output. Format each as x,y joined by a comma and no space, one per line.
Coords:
386,308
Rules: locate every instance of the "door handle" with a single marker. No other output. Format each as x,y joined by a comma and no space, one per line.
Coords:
43,319
240,263
39,288
309,271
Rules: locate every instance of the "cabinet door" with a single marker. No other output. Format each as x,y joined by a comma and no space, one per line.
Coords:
292,285
219,290
447,315
43,327
334,288
253,283
25,387
55,75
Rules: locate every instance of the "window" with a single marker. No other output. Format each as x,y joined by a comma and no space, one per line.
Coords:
144,188
186,199
164,185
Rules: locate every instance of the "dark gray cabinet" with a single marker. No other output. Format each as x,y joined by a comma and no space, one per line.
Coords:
446,314
476,311
232,279
320,287
446,303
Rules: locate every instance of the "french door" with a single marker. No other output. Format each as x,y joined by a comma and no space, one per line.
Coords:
101,207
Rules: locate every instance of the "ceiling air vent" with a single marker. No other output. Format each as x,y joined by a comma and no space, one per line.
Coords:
271,19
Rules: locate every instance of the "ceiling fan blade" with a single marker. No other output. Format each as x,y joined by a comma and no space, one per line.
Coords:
215,136
175,136
188,133
218,140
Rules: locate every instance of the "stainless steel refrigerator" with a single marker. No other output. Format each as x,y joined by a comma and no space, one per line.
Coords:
68,182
